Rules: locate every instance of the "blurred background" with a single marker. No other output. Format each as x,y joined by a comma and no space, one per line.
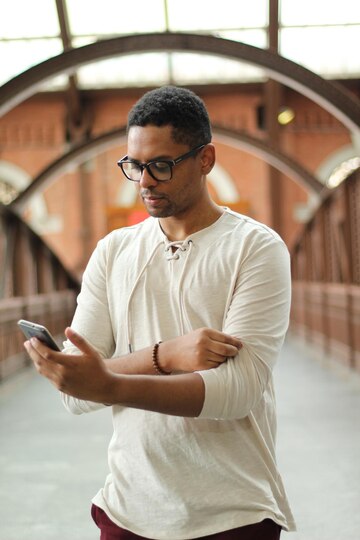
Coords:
281,81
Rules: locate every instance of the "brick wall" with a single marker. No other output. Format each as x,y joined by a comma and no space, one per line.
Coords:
34,134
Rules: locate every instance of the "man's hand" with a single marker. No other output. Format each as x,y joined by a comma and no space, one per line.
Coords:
200,349
84,376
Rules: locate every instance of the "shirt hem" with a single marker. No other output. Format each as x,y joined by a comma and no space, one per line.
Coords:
288,526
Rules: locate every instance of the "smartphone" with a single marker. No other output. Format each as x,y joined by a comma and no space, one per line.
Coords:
32,329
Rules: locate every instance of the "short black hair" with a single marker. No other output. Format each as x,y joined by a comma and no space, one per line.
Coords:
177,107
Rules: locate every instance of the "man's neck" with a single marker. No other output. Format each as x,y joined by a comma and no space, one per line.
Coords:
180,227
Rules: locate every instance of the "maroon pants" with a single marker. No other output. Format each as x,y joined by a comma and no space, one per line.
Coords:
266,530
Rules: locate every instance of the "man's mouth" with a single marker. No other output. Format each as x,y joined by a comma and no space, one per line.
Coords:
151,199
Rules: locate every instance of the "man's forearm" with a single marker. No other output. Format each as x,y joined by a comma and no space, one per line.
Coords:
136,363
201,349
181,395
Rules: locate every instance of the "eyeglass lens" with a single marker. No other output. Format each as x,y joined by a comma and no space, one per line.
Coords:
160,170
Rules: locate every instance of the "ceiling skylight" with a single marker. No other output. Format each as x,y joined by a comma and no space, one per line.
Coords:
322,36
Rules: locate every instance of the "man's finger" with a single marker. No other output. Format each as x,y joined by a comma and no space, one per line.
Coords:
231,340
40,348
216,335
44,363
45,357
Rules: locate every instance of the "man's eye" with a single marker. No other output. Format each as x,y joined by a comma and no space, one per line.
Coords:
160,166
133,166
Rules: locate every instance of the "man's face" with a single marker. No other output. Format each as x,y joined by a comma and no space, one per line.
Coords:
178,196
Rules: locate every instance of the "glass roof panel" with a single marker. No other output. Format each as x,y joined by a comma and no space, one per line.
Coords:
132,70
22,54
60,82
321,35
199,15
189,68
84,40
319,12
317,48
25,19
161,68
255,37
113,17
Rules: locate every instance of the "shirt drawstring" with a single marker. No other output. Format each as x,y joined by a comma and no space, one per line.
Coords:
127,318
184,245
182,311
174,256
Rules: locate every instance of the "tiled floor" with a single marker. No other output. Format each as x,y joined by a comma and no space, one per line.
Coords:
51,463
319,444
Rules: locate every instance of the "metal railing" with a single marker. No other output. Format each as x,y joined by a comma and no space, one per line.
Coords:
326,275
34,285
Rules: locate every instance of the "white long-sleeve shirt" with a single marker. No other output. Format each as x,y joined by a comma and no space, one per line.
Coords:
174,478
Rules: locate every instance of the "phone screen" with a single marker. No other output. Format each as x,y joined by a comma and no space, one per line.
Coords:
31,329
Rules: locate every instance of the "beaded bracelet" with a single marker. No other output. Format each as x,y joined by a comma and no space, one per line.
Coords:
155,360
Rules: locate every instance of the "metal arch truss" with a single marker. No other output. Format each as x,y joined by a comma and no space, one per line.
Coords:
331,97
87,150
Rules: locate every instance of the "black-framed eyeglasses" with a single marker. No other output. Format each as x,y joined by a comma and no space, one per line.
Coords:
159,169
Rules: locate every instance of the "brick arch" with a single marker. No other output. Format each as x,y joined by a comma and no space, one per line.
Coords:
331,97
335,159
40,220
95,146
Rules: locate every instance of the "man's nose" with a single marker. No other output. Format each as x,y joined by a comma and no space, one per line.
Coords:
146,179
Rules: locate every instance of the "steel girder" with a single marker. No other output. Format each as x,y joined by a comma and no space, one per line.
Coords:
331,97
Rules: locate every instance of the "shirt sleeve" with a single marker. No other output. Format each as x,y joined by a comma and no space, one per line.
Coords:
92,320
258,315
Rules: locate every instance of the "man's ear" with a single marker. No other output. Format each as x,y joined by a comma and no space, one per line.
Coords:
207,158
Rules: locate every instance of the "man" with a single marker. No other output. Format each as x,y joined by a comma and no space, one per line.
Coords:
179,324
